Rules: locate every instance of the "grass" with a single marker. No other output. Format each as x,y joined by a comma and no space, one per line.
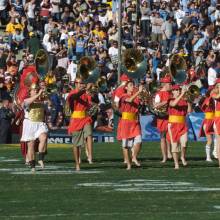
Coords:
105,190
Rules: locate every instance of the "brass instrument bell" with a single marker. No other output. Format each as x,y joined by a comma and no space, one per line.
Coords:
42,62
178,68
88,70
192,93
134,64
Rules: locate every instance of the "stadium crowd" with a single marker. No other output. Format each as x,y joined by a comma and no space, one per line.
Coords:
71,29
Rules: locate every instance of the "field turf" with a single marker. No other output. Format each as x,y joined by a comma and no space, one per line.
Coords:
105,190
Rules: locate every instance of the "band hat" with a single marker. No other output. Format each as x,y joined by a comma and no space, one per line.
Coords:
124,78
175,87
166,79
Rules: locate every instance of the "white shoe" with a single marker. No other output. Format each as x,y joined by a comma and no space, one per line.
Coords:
90,161
215,154
41,163
208,159
33,170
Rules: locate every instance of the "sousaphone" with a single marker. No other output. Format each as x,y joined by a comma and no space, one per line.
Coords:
134,63
88,70
178,69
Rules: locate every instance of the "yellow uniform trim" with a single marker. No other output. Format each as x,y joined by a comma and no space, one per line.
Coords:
176,119
78,114
217,113
209,115
129,116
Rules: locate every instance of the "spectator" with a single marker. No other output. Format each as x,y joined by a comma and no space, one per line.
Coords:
6,116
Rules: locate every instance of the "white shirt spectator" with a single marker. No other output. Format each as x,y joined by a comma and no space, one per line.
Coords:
103,20
56,6
216,44
179,15
72,70
3,5
156,24
113,53
30,10
167,30
212,75
101,98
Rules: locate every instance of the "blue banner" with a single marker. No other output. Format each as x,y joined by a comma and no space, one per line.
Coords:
196,121
149,131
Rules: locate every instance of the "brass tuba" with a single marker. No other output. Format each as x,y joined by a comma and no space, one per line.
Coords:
88,70
42,62
134,64
178,68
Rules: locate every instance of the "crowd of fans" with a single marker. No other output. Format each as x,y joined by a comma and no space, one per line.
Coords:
71,29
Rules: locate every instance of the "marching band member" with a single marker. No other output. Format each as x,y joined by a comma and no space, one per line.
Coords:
120,90
215,94
34,126
177,127
80,124
129,129
116,96
208,107
161,100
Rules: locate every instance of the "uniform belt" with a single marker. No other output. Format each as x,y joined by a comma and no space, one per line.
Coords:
129,116
217,113
78,114
176,119
209,115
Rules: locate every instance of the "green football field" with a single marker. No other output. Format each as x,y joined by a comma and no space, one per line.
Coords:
105,190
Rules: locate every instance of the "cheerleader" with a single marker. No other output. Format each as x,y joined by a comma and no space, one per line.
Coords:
33,126
177,127
208,107
129,129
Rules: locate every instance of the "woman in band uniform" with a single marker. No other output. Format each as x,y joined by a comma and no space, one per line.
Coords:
177,127
161,100
129,129
215,94
207,130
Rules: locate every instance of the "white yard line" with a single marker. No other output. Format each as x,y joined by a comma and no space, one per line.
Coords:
107,214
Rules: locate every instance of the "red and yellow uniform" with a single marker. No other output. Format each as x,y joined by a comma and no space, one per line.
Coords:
217,116
162,123
128,126
79,117
208,107
118,93
177,120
